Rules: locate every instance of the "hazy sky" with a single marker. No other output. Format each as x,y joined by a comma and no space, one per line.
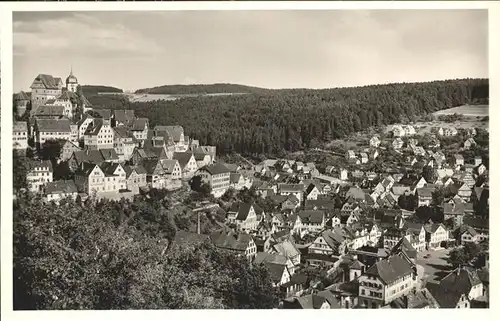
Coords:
273,49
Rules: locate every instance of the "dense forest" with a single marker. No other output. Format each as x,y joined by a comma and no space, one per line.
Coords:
95,89
202,89
118,255
293,119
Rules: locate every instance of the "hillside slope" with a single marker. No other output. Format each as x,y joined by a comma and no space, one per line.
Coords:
201,89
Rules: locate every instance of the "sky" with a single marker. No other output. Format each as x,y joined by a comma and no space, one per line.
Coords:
271,49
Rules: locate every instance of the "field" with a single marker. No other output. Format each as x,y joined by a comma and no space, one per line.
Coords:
465,110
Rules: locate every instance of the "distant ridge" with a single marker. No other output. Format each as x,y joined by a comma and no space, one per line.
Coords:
219,88
90,90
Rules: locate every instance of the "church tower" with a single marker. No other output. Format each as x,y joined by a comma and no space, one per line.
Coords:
71,82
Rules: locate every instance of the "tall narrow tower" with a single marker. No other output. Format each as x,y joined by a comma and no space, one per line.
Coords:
71,82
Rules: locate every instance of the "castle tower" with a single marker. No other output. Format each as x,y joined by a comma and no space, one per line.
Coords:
71,82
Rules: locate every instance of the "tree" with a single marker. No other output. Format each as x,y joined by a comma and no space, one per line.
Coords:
51,149
428,174
458,257
19,171
76,257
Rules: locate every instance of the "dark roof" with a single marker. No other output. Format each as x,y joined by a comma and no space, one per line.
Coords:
174,131
390,269
48,81
183,158
89,156
215,169
242,209
123,132
476,222
53,125
61,187
49,110
425,192
104,113
328,296
22,96
314,217
125,116
320,257
139,124
404,246
94,127
231,240
446,298
109,168
129,169
291,187
108,154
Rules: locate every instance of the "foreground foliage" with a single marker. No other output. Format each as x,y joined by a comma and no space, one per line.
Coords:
116,255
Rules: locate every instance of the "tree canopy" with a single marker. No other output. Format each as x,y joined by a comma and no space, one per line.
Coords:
275,121
115,255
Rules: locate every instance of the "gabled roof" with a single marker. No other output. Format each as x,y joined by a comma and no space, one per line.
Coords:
390,269
139,124
53,125
183,158
454,208
109,168
130,169
168,165
59,187
216,169
123,132
453,286
174,131
312,217
405,246
230,240
47,81
125,116
95,127
49,110
21,96
88,156
425,192
104,113
108,154
476,222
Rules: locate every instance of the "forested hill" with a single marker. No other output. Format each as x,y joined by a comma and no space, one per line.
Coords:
295,119
89,90
202,89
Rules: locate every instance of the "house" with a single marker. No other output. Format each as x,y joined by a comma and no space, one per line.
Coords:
375,142
421,183
469,143
217,176
20,135
141,154
239,243
438,130
51,129
124,143
103,113
239,181
38,174
454,211
436,235
202,159
187,162
481,169
90,178
459,160
162,173
424,195
468,234
83,124
21,101
67,150
139,128
115,177
177,134
122,117
385,281
57,190
409,130
312,301
43,88
276,265
135,177
330,242
244,216
480,225
343,174
478,160
465,192
374,154
292,189
364,158
457,289
312,192
398,131
418,151
397,143
311,221
99,134
349,155
450,131
73,136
